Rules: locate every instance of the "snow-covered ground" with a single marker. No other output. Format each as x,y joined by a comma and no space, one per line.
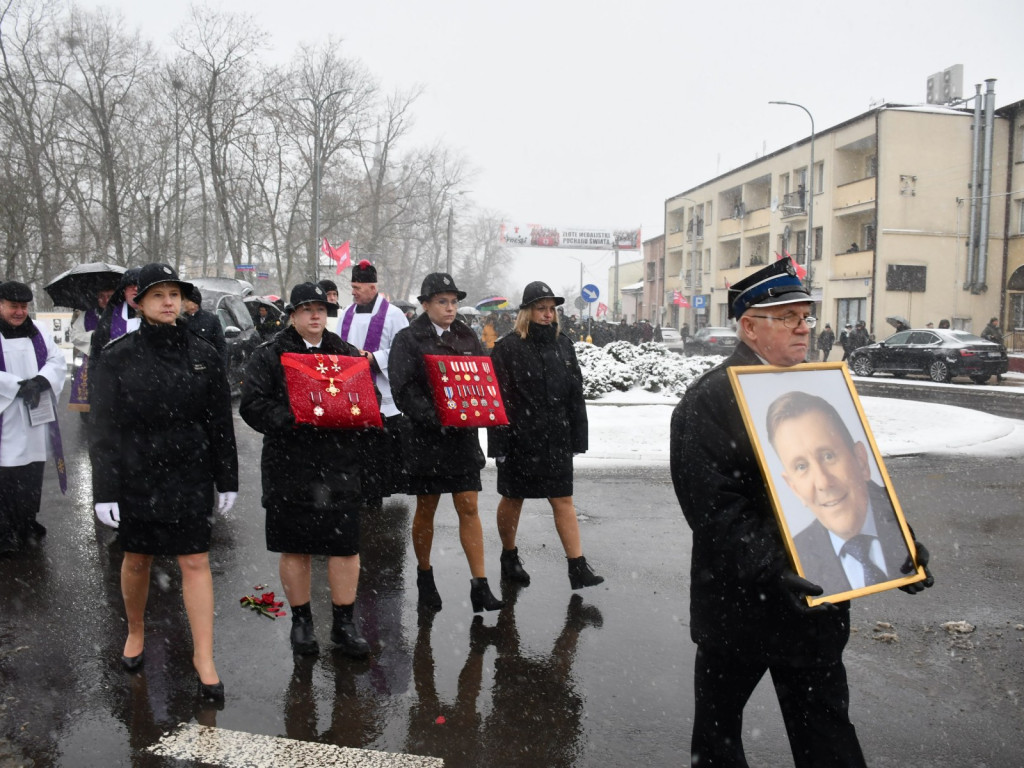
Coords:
633,426
629,423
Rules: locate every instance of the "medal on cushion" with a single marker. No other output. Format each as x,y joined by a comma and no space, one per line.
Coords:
472,367
456,367
334,359
443,370
353,397
331,389
487,370
317,398
448,393
320,363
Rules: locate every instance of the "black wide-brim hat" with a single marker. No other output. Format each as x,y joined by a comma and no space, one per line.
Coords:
12,290
775,284
308,293
439,282
538,290
154,274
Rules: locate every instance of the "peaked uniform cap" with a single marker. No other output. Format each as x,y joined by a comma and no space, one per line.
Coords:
307,293
775,284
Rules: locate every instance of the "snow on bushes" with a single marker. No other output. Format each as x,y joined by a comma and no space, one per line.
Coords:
650,366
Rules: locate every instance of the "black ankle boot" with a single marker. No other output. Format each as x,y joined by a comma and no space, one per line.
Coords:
512,567
303,638
429,596
581,574
481,598
345,635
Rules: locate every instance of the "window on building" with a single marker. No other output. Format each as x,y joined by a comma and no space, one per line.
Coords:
1020,215
850,311
800,254
707,261
651,266
868,237
870,166
661,267
784,184
1017,311
819,177
818,242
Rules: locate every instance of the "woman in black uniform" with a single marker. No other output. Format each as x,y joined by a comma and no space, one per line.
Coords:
540,379
163,439
311,488
439,459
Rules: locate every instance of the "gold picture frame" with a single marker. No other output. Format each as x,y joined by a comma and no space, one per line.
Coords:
841,522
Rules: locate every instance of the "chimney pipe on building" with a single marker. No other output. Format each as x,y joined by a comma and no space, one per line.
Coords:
972,197
986,185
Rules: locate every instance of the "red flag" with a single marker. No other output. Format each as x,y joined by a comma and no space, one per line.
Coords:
679,300
340,254
602,309
801,272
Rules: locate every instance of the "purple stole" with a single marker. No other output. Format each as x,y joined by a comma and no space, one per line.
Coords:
79,400
118,325
373,333
53,428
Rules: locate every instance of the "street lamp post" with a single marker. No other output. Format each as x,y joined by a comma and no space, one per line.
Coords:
810,195
318,105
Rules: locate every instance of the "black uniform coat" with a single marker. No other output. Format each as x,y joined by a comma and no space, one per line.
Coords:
305,466
737,603
163,433
430,449
542,386
206,325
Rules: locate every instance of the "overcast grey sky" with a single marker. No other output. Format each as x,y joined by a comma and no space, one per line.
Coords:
591,114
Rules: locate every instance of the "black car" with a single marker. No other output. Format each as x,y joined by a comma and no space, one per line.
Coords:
711,340
223,296
939,354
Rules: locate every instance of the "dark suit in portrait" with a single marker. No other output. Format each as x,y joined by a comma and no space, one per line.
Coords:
822,565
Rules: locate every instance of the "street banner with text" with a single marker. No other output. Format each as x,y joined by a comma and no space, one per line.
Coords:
539,235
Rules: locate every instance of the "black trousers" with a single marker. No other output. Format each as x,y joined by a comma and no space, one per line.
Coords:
21,489
814,701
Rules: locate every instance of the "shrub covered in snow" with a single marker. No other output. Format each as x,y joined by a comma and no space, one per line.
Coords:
621,365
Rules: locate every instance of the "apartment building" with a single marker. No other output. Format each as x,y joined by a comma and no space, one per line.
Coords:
1014,196
888,203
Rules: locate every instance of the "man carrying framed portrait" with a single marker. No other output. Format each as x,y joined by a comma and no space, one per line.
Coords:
749,612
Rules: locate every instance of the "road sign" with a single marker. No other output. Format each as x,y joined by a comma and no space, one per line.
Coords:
590,293
700,301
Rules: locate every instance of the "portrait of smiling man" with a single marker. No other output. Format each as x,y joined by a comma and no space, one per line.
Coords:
855,540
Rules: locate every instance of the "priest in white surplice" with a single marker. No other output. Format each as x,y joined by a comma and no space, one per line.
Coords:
32,370
370,324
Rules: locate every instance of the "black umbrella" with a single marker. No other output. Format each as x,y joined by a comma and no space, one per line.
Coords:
897,321
405,306
77,288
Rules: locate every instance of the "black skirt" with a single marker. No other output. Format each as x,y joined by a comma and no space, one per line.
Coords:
307,530
187,536
514,483
432,485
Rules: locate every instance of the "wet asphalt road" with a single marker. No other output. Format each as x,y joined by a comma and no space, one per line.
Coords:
602,678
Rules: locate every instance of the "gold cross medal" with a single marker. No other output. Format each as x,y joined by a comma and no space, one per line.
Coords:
331,389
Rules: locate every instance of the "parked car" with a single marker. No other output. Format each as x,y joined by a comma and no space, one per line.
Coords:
712,340
938,354
224,297
672,340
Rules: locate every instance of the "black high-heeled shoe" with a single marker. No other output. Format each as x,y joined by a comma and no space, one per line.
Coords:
482,598
211,692
132,663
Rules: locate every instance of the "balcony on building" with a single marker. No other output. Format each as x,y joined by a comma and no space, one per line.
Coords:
855,168
794,204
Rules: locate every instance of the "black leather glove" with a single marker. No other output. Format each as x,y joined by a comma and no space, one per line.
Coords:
30,390
797,587
908,567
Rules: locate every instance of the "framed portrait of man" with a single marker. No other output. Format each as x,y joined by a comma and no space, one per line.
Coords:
841,522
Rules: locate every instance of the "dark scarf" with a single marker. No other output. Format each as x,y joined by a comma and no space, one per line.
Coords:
24,331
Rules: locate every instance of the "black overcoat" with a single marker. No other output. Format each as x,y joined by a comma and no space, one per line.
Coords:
430,449
737,603
542,386
163,433
304,466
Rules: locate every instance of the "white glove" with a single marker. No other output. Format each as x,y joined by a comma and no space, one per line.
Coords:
226,500
109,514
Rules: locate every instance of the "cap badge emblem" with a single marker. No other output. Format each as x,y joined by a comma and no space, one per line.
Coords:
167,270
